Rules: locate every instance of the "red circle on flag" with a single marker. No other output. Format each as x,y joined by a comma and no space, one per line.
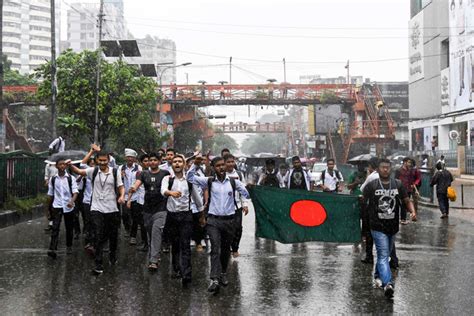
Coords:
308,213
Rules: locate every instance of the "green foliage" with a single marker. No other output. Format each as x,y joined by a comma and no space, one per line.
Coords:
186,137
13,77
328,97
218,142
264,143
25,205
123,93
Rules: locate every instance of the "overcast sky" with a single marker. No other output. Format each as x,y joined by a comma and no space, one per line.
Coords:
315,37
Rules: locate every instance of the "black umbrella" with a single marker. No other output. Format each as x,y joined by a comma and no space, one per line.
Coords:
360,159
75,155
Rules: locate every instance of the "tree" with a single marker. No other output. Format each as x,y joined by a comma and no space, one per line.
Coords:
12,77
220,141
264,143
123,94
186,137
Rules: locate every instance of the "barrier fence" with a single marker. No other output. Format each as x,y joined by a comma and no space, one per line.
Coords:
21,175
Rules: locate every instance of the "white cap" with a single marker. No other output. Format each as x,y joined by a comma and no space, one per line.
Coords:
130,153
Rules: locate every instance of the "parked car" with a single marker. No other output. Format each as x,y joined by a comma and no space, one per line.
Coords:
317,171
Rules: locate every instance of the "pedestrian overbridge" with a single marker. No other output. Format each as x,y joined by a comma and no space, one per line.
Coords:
258,94
241,127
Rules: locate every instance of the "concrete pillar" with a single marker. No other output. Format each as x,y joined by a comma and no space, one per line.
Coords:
443,137
462,159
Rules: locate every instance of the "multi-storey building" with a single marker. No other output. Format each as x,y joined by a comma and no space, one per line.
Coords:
158,51
441,68
27,32
82,24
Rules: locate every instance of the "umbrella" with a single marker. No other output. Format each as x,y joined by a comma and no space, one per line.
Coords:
360,159
75,155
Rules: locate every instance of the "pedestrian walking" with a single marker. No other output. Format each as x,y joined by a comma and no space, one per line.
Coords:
180,193
406,176
107,193
331,178
385,197
57,145
50,171
219,216
128,172
242,203
269,177
199,232
62,192
154,208
442,179
297,177
167,165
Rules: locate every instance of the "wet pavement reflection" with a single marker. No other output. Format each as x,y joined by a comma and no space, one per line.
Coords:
435,276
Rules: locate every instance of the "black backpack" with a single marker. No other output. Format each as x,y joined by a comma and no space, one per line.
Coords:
271,180
323,175
56,147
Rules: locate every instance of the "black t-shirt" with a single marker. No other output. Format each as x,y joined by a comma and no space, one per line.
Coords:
271,180
385,201
298,180
154,201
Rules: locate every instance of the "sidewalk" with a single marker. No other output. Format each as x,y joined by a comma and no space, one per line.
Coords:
465,196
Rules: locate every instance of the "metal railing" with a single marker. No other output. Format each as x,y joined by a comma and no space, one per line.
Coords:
21,175
469,160
450,157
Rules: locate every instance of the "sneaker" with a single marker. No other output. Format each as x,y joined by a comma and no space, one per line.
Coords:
49,228
444,215
165,249
133,241
223,280
377,283
152,267
199,248
213,287
368,260
404,222
388,290
235,254
52,254
68,250
98,270
393,265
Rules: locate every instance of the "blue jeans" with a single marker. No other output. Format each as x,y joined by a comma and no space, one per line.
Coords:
383,244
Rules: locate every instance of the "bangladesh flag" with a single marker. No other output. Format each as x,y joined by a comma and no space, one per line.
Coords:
293,216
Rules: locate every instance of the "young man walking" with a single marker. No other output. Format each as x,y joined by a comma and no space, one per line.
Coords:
62,192
154,209
107,193
442,179
242,203
180,194
385,197
331,178
270,177
128,172
406,176
219,216
297,177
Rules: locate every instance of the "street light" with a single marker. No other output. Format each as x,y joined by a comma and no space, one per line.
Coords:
161,92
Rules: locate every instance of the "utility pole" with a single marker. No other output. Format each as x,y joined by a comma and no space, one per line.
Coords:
348,74
3,110
187,78
54,83
284,70
99,61
230,70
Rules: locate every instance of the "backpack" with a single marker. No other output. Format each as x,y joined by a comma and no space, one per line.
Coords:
323,175
190,188
56,147
69,182
94,175
209,186
271,180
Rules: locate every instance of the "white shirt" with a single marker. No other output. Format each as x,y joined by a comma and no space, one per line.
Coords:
129,178
104,199
58,141
331,181
281,179
371,177
241,201
194,208
88,189
180,204
50,171
166,166
61,192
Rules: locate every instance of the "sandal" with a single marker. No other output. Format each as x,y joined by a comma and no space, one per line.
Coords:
152,267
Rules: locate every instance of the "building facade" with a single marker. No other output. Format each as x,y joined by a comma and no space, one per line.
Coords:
158,51
27,33
441,68
82,30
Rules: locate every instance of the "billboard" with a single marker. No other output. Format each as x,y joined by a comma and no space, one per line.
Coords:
461,54
416,49
445,102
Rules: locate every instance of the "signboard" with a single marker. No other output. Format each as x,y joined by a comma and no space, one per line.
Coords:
416,48
445,102
427,138
461,54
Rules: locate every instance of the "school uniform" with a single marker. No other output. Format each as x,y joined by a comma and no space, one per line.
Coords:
241,203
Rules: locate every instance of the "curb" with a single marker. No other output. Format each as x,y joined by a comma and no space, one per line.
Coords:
427,204
9,218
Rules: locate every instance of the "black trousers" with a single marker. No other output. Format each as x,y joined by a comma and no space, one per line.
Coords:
443,202
77,212
221,233
137,220
369,241
199,232
180,231
238,230
126,218
106,227
88,227
57,215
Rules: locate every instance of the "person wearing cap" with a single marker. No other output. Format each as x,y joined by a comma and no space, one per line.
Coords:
269,177
128,172
298,178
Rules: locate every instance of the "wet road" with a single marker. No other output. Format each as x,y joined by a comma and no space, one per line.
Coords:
435,277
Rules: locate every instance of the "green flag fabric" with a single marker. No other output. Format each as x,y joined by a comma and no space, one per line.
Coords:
293,216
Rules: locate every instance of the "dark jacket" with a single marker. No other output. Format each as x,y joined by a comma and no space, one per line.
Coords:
442,179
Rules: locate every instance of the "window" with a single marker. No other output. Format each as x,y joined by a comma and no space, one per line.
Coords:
39,38
83,26
38,8
83,36
14,45
9,34
91,35
83,45
13,14
39,18
37,47
34,57
444,56
11,24
39,28
12,4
